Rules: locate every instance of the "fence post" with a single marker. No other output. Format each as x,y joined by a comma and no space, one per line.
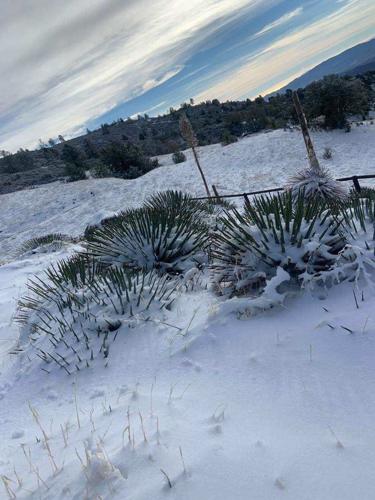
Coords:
356,184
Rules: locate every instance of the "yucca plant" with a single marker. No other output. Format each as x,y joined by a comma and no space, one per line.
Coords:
359,214
151,238
59,286
356,261
114,220
207,211
315,181
318,184
365,193
53,241
170,200
302,237
74,312
176,201
182,202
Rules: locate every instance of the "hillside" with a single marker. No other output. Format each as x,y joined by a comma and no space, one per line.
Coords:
259,161
356,60
206,403
212,121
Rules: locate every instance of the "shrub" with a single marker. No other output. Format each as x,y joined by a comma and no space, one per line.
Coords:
336,97
228,138
75,312
17,162
178,157
105,128
302,238
151,238
70,154
74,172
328,154
99,170
74,164
126,160
90,149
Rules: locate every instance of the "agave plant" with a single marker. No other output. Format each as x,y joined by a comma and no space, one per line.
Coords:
317,183
183,203
151,238
49,242
59,287
365,193
72,315
114,220
176,201
302,237
356,261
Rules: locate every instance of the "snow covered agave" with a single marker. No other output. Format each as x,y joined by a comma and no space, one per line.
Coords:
208,212
176,201
183,202
299,236
73,314
152,238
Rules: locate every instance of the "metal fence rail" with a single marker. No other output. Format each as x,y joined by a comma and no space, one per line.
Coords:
354,179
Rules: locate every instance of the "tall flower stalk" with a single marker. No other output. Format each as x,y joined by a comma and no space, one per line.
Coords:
188,134
314,181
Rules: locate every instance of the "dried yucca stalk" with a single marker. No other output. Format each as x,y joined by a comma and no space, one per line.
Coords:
314,181
188,134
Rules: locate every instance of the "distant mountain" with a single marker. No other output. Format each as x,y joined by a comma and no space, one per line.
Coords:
363,68
357,60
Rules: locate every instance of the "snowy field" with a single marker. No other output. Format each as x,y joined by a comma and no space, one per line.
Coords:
257,162
280,406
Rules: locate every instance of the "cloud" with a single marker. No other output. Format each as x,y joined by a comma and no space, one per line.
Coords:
68,62
65,62
279,22
150,84
295,53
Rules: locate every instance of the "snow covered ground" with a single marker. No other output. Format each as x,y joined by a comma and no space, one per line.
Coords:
257,162
277,406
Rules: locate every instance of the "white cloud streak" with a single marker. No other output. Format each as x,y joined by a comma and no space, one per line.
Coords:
286,18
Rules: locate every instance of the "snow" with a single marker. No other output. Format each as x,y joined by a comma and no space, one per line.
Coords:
256,162
279,405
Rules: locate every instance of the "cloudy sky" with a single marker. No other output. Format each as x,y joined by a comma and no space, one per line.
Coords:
71,64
